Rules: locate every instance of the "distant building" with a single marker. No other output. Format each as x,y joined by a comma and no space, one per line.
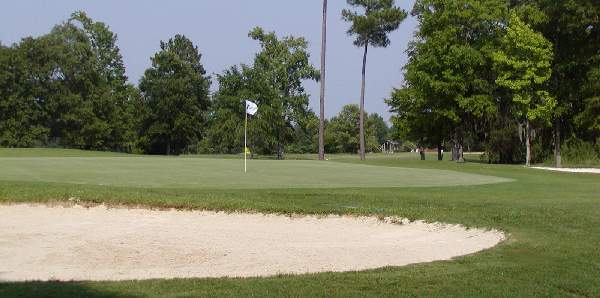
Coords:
390,147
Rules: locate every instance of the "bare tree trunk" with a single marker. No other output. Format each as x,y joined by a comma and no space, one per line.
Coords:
458,155
322,102
362,105
557,156
528,143
454,151
279,147
455,146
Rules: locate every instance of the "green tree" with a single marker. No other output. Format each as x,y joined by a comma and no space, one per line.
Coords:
275,83
175,94
418,119
73,82
62,63
284,64
21,114
110,126
589,119
524,65
450,80
226,119
573,28
306,134
61,66
380,128
342,131
449,86
371,28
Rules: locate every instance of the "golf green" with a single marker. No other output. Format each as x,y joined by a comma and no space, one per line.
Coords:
209,173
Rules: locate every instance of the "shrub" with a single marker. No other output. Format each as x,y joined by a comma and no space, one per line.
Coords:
504,146
578,152
539,152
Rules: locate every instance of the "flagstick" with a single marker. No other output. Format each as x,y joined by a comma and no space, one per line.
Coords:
245,139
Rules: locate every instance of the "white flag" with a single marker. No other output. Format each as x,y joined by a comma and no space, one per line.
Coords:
251,108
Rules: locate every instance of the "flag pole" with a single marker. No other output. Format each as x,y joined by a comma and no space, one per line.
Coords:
245,139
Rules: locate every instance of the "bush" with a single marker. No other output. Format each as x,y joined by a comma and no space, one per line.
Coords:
539,152
578,152
504,146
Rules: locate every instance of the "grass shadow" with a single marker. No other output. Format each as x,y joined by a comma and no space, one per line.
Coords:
55,289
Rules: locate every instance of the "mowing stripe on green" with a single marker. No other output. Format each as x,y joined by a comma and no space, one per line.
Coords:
226,174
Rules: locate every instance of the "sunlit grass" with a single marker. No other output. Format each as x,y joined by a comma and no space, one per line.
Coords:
552,219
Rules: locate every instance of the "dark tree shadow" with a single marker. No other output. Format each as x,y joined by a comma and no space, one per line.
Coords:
54,289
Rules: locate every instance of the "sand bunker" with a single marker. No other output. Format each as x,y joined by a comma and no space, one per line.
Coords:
76,243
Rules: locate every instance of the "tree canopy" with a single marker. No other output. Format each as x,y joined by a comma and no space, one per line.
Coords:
523,66
275,82
342,131
66,88
379,18
175,98
478,69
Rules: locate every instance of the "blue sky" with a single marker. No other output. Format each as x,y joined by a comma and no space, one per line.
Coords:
220,28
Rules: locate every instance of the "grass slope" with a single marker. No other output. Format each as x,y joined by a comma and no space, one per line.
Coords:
553,220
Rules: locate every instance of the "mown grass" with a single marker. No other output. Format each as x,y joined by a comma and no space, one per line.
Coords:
553,220
203,173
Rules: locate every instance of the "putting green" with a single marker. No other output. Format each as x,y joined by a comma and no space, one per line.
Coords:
225,173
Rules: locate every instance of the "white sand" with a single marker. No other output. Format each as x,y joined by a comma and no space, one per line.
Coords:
77,243
570,170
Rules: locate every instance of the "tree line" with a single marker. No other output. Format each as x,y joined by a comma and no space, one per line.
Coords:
68,88
518,79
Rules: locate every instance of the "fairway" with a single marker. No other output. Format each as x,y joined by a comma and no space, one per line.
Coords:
165,172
